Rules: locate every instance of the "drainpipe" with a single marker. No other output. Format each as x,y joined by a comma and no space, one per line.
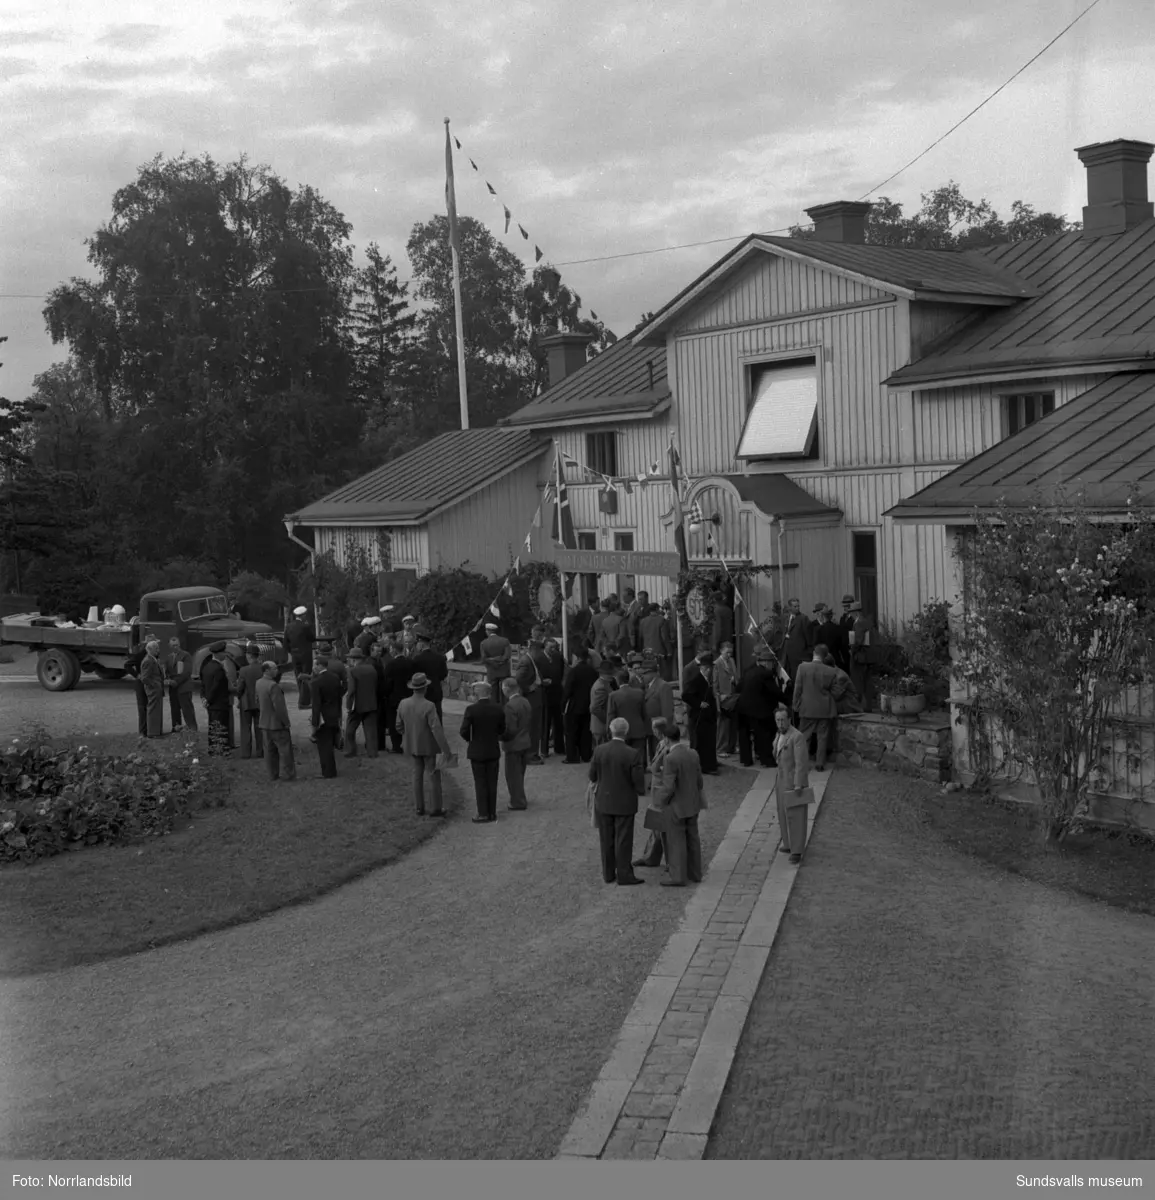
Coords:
289,527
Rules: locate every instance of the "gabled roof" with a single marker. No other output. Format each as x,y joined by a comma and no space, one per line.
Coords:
436,475
625,380
1102,443
1094,305
914,274
778,496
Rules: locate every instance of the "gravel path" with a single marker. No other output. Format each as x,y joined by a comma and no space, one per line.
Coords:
457,1004
920,1004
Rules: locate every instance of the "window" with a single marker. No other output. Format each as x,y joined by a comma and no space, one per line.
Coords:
783,416
865,552
159,611
589,583
623,541
1023,410
602,453
204,606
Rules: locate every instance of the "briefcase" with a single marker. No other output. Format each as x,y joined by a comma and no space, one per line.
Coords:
657,820
793,801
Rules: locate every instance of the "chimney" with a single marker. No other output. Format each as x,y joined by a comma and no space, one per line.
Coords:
842,221
567,353
1116,186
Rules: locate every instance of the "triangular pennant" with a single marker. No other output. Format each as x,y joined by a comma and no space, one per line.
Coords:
522,228
494,610
593,314
449,656
490,186
457,143
517,564
508,588
537,518
467,645
529,543
473,164
537,254
508,218
628,484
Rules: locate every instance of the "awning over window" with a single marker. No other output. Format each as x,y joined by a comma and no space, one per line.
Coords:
784,416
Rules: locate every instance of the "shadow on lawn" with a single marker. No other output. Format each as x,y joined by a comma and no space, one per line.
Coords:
271,846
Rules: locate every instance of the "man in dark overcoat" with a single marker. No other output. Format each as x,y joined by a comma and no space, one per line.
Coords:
327,695
759,694
482,728
553,723
299,641
362,704
432,665
216,693
576,687
620,775
680,794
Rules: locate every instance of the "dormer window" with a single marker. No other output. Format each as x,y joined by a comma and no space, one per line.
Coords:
783,417
1025,409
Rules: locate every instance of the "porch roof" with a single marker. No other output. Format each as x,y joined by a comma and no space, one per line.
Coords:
778,496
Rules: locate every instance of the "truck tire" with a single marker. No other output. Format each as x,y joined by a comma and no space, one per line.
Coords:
58,670
102,672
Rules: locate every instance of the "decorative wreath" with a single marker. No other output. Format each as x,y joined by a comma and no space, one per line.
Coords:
696,590
536,574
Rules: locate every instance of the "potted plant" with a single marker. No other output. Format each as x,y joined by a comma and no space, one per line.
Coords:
907,697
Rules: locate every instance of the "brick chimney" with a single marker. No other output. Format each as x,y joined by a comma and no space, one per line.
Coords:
842,221
566,353
1116,186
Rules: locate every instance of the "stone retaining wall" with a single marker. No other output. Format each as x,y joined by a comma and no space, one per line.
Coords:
912,746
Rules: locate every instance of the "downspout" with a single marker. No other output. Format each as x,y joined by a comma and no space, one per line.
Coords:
289,527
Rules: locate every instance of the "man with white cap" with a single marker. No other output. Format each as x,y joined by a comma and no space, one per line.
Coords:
409,634
299,639
370,628
497,657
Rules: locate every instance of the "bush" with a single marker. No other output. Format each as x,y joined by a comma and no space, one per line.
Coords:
55,798
449,601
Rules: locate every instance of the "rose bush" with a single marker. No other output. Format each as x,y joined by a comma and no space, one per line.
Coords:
56,797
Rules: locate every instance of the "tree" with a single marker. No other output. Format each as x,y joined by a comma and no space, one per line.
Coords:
1057,628
551,307
216,336
947,220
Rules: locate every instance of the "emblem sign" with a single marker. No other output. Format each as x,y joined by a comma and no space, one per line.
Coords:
696,604
546,597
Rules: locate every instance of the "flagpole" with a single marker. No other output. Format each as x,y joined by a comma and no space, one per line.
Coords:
561,574
451,200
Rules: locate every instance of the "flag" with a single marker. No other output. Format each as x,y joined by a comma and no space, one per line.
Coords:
529,543
522,228
679,529
562,530
628,484
467,645
493,609
536,253
508,217
695,513
507,587
550,492
450,196
593,314
490,186
516,568
537,518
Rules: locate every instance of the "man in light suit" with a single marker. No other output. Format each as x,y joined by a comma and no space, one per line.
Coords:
423,739
497,655
518,742
792,787
681,794
620,775
274,725
814,702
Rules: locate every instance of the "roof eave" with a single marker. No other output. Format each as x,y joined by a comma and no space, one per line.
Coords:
1025,369
606,416
985,299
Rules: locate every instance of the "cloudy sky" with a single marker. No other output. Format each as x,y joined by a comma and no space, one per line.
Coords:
608,127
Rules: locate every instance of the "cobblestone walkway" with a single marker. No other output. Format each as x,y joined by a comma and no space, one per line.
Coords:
657,1094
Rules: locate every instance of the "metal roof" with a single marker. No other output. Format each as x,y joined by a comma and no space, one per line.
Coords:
437,474
623,379
778,496
1095,304
1102,443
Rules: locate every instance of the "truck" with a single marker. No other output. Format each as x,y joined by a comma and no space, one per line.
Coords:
198,616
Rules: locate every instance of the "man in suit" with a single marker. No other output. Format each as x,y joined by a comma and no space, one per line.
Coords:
830,634
813,702
723,629
658,701
379,654
152,679
178,673
846,621
275,729
482,727
612,630
553,726
797,642
423,739
620,775
299,641
759,694
575,693
217,697
701,704
398,671
600,610
353,629
628,703
370,627
327,694
517,741
634,615
409,633
681,795
132,666
362,704
599,702
859,637
432,665
497,657
537,652
791,788
652,635
249,704
528,679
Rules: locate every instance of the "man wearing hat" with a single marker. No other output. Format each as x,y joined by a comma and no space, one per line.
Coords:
299,640
701,703
497,657
433,665
517,740
327,693
249,704
599,701
409,634
362,702
760,692
528,676
370,627
830,634
658,699
276,731
846,621
859,638
482,727
423,740
575,693
217,697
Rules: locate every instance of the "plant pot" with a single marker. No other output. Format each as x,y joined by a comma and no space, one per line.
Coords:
907,706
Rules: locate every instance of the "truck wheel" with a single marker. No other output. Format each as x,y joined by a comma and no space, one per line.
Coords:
58,670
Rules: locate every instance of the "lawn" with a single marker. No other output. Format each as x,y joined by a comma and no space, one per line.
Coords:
271,845
1114,866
